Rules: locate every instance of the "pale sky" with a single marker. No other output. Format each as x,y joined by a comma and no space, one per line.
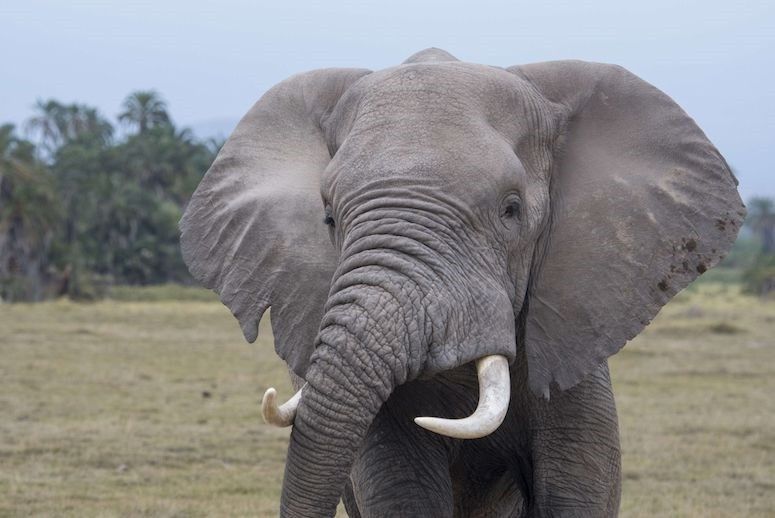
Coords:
212,60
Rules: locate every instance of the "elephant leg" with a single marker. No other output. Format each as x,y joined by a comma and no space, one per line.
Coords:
402,470
575,451
348,499
494,493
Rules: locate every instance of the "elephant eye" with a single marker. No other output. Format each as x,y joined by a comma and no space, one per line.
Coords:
328,219
512,208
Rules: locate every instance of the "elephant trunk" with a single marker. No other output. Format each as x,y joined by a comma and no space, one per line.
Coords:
394,313
347,383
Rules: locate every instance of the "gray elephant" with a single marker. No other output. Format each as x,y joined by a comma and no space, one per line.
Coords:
459,247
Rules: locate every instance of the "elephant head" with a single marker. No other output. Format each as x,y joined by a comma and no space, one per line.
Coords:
405,222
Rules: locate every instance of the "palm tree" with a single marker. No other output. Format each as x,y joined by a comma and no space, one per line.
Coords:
28,217
58,124
50,123
85,121
144,109
19,174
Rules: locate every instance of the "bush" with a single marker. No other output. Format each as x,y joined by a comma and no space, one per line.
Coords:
759,279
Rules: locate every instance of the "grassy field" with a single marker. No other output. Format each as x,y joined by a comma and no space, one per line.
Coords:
134,407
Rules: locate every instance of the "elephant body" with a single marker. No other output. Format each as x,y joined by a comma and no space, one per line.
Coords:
549,458
444,239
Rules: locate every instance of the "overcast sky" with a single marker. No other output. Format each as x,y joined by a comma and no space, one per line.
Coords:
212,60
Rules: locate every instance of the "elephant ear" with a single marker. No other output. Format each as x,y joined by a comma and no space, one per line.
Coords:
253,230
642,203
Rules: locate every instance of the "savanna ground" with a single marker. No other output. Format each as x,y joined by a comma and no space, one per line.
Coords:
147,406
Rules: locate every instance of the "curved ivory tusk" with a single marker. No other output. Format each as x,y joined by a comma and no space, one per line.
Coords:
283,415
494,394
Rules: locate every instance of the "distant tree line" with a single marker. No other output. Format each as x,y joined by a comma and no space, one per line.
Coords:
81,209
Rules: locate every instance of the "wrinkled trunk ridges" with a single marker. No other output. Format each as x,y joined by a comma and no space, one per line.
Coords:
352,374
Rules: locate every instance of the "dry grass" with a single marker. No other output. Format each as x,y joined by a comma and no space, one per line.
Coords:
696,399
151,409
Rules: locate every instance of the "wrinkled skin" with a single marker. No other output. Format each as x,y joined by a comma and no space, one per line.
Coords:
543,213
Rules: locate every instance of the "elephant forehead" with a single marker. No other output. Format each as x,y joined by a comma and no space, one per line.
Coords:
431,92
401,149
451,116
453,125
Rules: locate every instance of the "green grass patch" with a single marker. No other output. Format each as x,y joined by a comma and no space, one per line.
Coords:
160,293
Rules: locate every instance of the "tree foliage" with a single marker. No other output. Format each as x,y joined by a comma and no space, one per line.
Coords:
57,124
144,110
80,210
759,276
29,213
761,219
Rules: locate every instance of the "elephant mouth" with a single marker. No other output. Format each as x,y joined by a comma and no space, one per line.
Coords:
494,395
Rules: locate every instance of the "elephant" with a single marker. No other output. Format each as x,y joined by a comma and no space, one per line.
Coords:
451,252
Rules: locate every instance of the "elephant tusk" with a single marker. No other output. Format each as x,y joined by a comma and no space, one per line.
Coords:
283,415
494,395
